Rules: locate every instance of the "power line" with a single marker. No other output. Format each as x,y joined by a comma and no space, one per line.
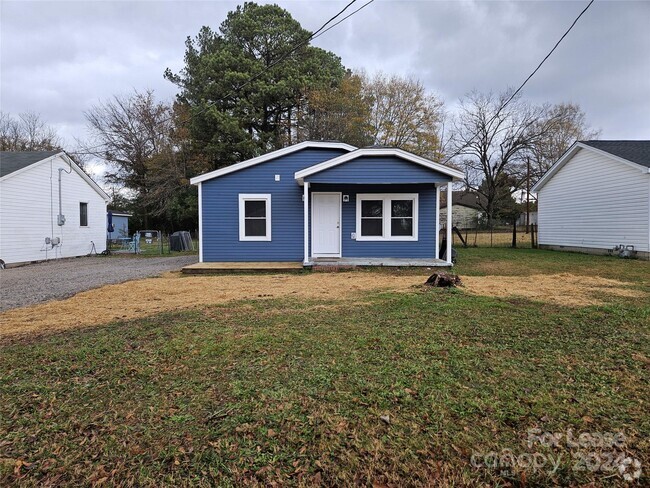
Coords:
317,33
523,84
344,18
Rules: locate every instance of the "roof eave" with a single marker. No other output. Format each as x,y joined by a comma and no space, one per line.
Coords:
570,153
455,175
268,157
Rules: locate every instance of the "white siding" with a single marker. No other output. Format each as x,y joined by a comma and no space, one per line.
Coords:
594,201
462,217
29,207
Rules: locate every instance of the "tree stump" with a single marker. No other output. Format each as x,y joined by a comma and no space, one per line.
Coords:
443,280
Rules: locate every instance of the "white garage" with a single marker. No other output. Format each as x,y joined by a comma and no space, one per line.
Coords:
49,208
597,197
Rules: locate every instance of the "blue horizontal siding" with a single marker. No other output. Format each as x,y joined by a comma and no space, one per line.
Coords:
378,170
220,209
424,247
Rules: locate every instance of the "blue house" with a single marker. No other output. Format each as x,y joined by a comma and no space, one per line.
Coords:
325,203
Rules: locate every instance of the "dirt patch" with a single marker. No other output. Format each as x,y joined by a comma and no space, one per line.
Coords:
172,292
563,289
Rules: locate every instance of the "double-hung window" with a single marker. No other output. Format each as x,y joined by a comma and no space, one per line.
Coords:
255,217
387,217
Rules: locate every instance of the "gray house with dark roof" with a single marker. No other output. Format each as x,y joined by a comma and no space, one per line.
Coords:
597,197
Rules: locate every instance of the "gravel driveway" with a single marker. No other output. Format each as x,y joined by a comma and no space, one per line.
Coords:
59,279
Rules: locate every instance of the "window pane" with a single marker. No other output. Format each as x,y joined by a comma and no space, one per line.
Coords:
402,208
371,227
401,227
255,227
255,208
371,208
83,214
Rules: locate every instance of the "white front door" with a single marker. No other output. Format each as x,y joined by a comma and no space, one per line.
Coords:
326,224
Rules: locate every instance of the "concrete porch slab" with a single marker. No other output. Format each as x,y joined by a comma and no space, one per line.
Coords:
227,267
368,262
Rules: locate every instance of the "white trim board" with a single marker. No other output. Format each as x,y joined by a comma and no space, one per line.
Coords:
267,157
455,174
340,195
386,217
572,152
259,197
200,222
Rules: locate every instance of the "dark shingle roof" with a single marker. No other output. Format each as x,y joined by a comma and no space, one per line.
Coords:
13,161
636,151
468,199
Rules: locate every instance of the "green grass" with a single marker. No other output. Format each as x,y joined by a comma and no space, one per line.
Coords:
292,392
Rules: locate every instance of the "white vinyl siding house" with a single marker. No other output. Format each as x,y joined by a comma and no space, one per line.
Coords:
593,201
29,209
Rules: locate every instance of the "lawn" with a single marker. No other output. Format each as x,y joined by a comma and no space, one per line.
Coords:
383,388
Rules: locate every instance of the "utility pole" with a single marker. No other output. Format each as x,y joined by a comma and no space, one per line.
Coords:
527,194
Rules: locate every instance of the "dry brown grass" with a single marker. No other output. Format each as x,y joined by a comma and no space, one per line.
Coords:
173,292
562,289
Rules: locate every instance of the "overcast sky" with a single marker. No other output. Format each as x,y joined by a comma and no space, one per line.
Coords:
60,58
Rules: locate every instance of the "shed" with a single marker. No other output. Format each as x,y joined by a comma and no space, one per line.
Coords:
120,224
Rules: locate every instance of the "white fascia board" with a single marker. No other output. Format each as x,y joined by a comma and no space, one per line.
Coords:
571,152
267,157
88,179
70,163
317,168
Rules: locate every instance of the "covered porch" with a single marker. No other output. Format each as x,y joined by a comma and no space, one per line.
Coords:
333,221
376,207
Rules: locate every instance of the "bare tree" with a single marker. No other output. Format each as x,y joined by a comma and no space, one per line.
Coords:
495,142
27,132
126,132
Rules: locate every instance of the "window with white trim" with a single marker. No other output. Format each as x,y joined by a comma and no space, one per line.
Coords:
254,217
387,217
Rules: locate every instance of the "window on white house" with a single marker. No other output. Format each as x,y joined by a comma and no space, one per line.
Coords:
83,214
388,216
255,217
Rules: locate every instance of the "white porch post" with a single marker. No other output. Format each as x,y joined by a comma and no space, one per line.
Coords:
437,239
449,196
306,221
200,185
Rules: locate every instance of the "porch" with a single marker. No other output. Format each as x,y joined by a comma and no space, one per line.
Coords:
372,262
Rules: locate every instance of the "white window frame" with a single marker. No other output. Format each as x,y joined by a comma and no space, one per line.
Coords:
258,197
386,198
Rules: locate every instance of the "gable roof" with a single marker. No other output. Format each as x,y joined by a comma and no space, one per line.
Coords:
372,151
269,156
11,161
632,153
636,151
19,161
468,199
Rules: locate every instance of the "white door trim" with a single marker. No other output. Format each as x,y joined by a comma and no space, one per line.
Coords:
340,194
